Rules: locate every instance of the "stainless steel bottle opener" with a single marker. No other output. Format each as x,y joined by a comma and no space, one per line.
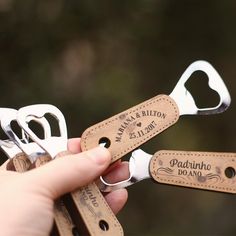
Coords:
31,149
214,171
127,130
121,133
95,213
24,154
15,145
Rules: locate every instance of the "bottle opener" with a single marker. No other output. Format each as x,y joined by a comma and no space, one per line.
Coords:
93,209
25,154
31,149
19,161
214,171
127,130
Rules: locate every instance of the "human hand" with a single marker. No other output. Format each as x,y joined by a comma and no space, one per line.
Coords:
27,199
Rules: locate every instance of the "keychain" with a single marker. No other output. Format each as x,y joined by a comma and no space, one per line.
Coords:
127,130
202,170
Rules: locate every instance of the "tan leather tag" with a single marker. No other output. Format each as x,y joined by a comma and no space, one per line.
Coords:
88,204
203,170
97,215
129,129
63,221
19,163
41,160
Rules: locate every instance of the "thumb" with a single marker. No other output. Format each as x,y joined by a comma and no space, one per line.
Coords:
68,173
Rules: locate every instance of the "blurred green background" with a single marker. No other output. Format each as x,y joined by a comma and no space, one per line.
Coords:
93,59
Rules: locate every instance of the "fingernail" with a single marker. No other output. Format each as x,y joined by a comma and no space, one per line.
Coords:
99,155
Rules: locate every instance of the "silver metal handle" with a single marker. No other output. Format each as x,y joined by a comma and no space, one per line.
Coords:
138,169
53,144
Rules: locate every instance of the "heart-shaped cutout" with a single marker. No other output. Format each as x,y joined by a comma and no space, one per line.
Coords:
198,86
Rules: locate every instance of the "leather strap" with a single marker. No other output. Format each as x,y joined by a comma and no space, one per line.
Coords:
90,211
121,134
129,129
19,163
203,170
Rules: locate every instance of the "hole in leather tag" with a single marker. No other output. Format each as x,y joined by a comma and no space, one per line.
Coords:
230,172
203,95
75,231
105,142
103,225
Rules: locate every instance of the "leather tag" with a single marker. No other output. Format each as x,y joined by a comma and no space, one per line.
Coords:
88,204
203,170
121,134
63,221
97,215
19,163
127,130
40,161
